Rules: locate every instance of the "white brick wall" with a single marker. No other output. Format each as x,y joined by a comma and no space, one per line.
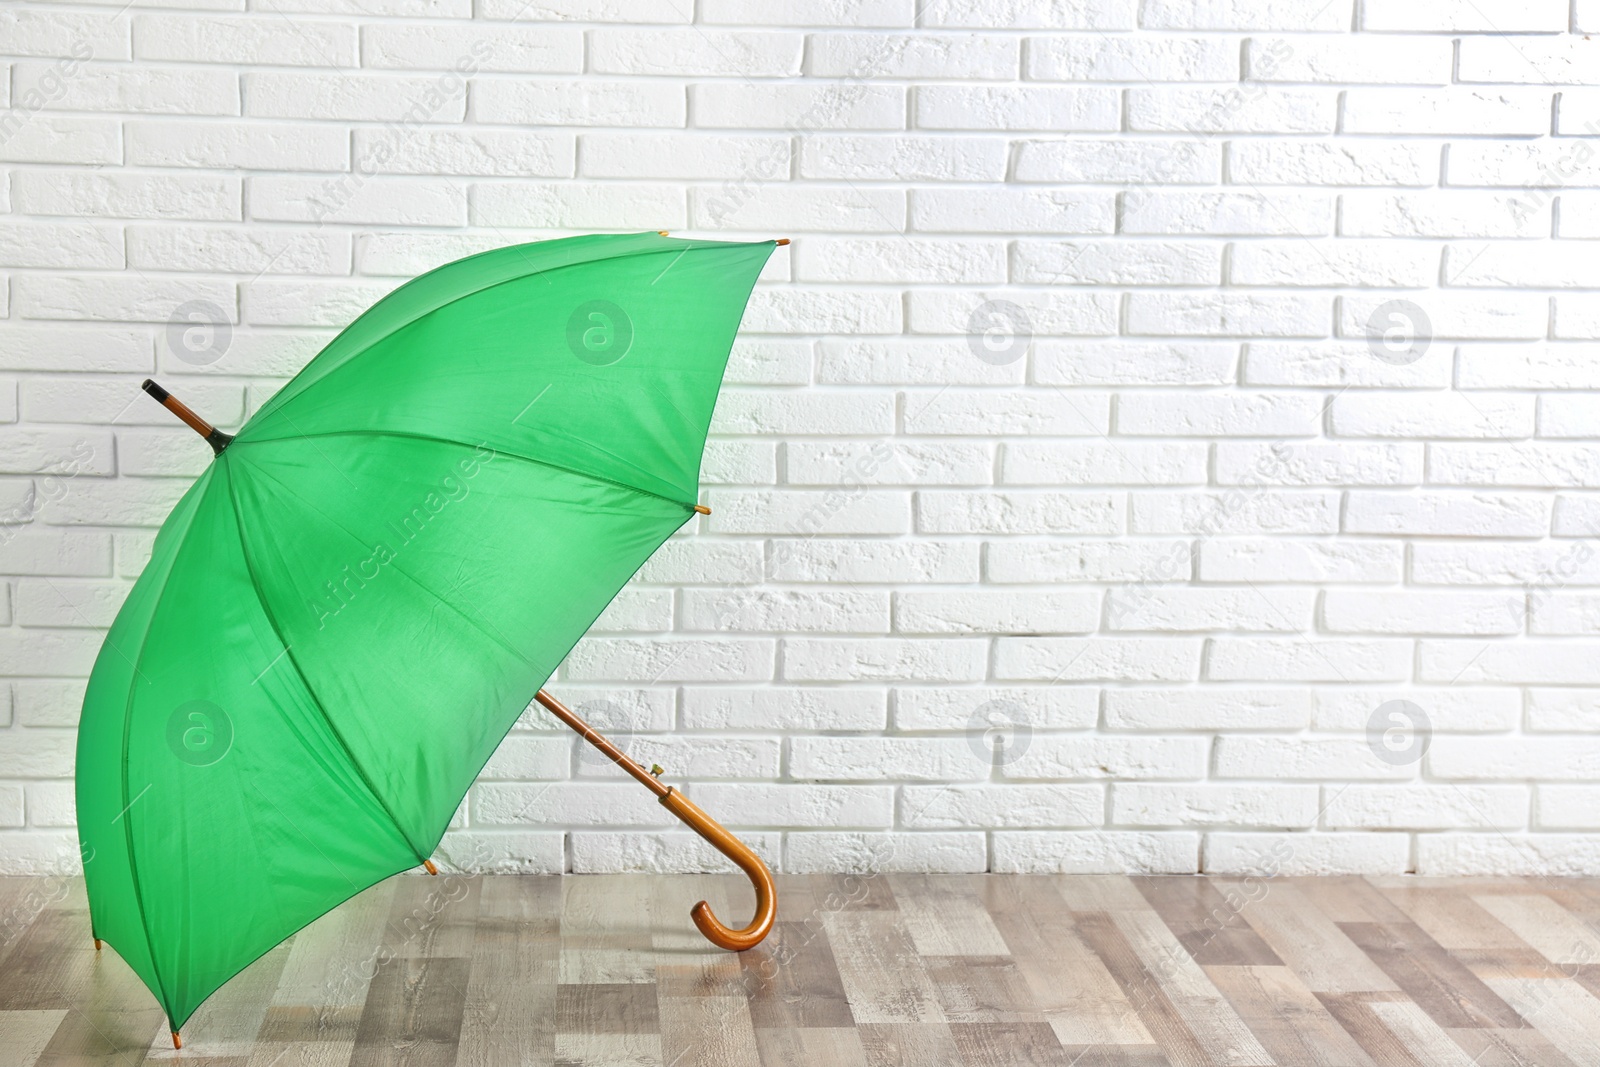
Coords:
1170,442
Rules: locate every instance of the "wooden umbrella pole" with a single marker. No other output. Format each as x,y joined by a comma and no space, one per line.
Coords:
702,824
214,437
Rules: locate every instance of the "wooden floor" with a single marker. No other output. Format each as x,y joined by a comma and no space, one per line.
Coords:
981,971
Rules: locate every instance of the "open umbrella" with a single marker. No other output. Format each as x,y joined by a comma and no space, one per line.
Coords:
351,607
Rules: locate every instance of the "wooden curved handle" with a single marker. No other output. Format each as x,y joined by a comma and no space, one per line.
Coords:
748,861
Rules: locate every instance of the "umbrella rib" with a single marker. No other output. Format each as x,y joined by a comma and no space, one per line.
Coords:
127,726
274,404
316,701
463,444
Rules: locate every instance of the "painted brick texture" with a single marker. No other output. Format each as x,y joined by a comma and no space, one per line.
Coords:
1170,442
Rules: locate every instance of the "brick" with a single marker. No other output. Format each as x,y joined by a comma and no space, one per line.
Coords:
1021,412
946,708
885,758
748,105
231,250
542,49
900,259
1305,660
912,362
1246,415
1502,112
697,52
846,560
1118,852
488,152
882,853
1017,512
862,56
139,88
356,199
799,805
1343,263
1122,659
1272,855
985,807
137,196
1094,463
1228,213
359,97
653,661
1075,363
1348,364
1247,510
853,157
1088,561
53,34
850,463
1204,610
1425,415
1249,109
1119,263
1318,463
1452,213
1447,514
1168,161
1023,107
843,611
631,205
1448,16
1128,58
995,612
1304,759
1548,662
1229,709
1456,854
1412,611
1032,14
787,709
1336,162
273,42
49,138
234,145
1204,806
1522,464
586,102
1228,315
1246,15
1349,59
883,659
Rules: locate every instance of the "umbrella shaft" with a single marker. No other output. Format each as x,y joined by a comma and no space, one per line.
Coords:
610,751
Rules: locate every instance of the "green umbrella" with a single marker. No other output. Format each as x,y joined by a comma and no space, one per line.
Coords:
354,603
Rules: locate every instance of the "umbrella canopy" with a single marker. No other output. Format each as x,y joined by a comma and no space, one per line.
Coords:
354,603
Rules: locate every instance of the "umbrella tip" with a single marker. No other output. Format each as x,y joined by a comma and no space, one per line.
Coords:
701,509
177,1042
662,232
97,944
782,241
428,866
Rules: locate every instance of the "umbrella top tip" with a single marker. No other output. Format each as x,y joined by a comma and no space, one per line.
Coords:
782,241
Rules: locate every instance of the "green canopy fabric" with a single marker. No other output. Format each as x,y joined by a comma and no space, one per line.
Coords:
351,607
